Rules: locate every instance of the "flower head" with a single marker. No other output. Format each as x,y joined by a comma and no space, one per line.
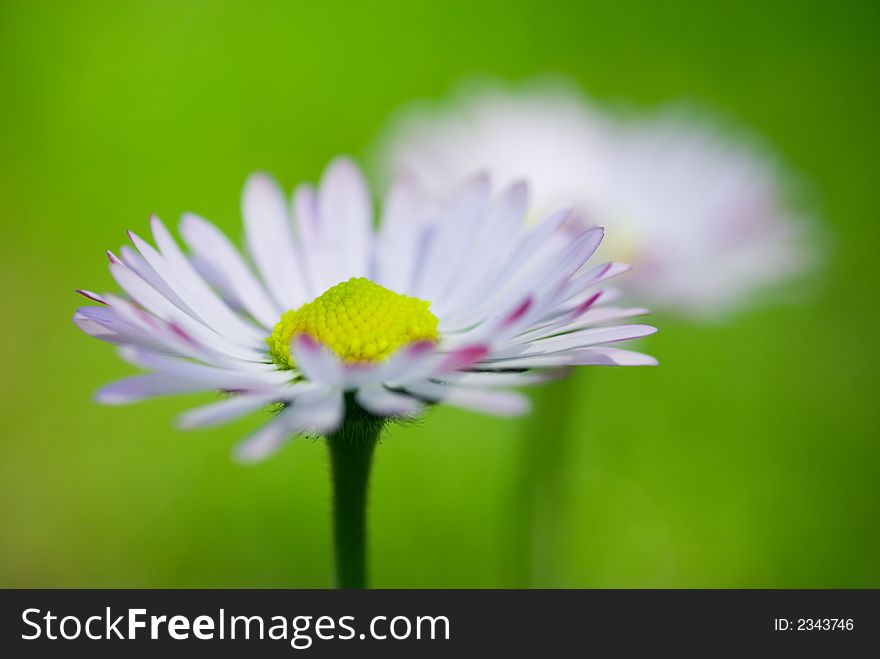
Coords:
358,320
450,304
698,214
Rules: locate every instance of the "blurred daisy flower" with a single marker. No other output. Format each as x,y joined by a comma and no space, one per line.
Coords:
325,316
700,215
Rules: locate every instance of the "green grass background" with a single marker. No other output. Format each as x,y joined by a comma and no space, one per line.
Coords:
749,458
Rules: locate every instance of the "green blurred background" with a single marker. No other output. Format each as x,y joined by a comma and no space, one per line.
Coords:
749,458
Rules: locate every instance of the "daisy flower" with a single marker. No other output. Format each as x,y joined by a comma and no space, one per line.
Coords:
339,326
452,307
700,216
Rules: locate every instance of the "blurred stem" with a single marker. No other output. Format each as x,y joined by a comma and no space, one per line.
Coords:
541,502
351,457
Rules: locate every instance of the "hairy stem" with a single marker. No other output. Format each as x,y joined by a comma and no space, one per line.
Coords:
351,457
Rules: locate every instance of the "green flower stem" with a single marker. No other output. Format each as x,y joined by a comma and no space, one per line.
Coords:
351,456
541,499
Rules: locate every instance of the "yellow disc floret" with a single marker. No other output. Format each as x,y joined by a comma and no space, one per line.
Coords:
358,320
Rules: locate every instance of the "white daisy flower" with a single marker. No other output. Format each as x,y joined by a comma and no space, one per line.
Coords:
699,215
326,314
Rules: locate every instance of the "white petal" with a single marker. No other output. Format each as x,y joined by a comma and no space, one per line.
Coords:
357,375
153,301
177,272
217,378
400,237
169,337
461,358
497,236
305,214
384,403
604,315
503,403
308,235
495,328
320,409
531,243
451,235
90,295
547,278
315,361
269,239
597,274
524,268
490,379
141,387
574,321
146,272
346,220
409,362
98,321
224,410
590,337
611,357
541,360
315,411
104,323
212,247
268,439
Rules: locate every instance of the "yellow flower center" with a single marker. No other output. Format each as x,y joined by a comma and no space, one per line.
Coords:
358,320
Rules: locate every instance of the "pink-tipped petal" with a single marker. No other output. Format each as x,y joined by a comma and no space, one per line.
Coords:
462,358
517,313
411,361
318,363
94,297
